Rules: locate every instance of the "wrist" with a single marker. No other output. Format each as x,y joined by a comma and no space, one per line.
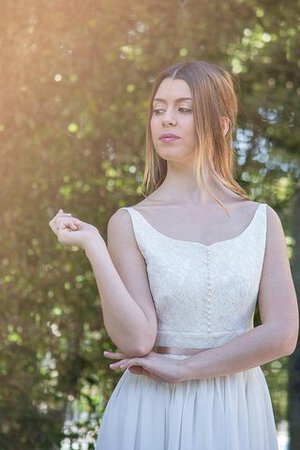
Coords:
187,369
183,370
93,243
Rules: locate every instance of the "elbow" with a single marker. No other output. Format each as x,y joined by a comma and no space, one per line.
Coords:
138,351
288,343
146,345
282,337
141,351
139,347
290,347
288,350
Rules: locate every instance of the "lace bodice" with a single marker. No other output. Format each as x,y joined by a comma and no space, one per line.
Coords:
204,295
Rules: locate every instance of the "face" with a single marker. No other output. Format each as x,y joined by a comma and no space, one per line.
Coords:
172,121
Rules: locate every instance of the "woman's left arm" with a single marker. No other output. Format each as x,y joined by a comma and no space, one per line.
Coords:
278,333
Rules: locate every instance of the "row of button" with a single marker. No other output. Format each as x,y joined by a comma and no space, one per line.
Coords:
208,297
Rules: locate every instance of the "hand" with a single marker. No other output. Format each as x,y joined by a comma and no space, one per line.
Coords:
154,365
72,231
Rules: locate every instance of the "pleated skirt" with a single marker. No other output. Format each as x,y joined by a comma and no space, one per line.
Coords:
232,412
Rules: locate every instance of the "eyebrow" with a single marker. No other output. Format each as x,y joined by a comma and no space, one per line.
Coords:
176,101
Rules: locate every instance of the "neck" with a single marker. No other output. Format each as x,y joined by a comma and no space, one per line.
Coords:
180,186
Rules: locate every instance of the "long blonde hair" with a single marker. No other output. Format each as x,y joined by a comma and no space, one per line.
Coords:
213,96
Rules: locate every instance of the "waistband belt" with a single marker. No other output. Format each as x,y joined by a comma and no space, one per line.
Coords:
178,350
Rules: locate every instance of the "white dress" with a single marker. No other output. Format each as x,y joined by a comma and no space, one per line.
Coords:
204,295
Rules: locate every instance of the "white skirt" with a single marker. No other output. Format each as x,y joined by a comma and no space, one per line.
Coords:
232,412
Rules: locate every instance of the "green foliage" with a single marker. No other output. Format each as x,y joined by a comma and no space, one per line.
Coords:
76,77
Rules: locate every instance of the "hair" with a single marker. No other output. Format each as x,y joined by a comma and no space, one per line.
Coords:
213,95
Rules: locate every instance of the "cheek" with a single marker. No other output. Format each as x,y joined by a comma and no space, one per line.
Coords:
152,128
154,132
153,125
191,130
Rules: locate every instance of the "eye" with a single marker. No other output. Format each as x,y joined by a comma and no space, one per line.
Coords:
184,110
156,111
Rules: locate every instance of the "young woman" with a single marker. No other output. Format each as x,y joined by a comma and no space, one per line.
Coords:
180,279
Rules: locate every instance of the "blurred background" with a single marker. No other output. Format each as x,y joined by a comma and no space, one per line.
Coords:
75,81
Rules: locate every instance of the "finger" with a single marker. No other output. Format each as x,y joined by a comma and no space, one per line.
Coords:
61,227
60,216
113,367
55,223
73,225
63,214
67,223
126,363
66,220
66,226
114,355
120,364
65,230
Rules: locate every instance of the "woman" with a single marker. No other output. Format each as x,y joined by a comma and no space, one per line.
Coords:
180,280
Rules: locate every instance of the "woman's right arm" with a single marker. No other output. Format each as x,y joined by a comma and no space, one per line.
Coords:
120,272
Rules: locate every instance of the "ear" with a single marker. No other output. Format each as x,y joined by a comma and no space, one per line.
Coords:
225,124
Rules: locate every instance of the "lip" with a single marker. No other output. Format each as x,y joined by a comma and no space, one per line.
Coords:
168,137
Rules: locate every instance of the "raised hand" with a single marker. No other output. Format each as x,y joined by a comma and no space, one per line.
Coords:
72,231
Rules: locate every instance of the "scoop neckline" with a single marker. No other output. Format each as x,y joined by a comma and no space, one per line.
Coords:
200,243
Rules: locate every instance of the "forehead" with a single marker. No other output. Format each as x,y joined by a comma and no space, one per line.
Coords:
172,89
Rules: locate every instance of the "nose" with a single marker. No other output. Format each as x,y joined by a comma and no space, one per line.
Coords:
168,119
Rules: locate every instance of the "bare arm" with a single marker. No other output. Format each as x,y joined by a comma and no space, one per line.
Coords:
276,336
120,271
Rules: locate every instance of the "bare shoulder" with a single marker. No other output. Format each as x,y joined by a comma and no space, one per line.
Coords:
119,216
250,206
150,202
243,205
121,233
276,251
274,226
273,218
120,225
272,214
